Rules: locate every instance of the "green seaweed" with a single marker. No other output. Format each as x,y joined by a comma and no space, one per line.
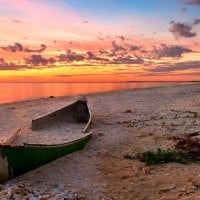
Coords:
160,156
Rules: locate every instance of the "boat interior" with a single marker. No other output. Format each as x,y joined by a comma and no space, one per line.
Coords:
62,126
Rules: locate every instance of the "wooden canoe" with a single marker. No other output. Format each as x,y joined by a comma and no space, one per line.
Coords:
18,156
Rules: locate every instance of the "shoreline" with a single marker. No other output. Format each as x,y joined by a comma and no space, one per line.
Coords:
100,82
133,120
102,92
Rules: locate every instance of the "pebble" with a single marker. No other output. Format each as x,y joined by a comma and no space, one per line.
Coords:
60,187
1,187
25,190
106,198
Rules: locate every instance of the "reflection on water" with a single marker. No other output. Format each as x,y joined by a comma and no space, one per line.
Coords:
10,92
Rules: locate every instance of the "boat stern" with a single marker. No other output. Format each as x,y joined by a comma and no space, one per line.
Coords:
4,172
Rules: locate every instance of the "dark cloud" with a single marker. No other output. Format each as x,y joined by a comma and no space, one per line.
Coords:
35,61
18,47
2,61
133,48
116,47
16,21
40,50
122,38
120,59
11,66
103,51
192,2
127,60
196,22
173,51
73,42
123,49
101,56
13,48
120,50
39,60
179,29
71,57
92,56
68,51
100,38
75,57
190,65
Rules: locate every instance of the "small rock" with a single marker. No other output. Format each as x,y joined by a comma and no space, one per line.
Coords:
71,195
60,196
106,198
194,188
167,189
1,187
45,197
33,198
182,190
17,196
60,187
10,191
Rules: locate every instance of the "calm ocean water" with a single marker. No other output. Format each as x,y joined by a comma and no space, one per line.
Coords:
10,92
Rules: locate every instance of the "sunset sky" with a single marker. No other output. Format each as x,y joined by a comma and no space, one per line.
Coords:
99,40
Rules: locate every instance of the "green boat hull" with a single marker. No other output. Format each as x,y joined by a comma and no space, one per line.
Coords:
20,159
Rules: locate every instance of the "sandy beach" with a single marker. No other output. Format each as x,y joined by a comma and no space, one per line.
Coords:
123,121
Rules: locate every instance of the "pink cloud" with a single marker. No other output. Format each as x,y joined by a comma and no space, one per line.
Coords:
43,21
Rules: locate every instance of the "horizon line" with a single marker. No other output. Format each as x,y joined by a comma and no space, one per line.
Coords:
104,82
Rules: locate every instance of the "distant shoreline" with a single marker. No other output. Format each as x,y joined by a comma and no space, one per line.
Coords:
101,82
93,91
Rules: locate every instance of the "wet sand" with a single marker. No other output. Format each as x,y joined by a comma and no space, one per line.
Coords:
123,121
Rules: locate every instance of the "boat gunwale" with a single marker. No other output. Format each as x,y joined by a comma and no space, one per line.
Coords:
56,145
9,140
